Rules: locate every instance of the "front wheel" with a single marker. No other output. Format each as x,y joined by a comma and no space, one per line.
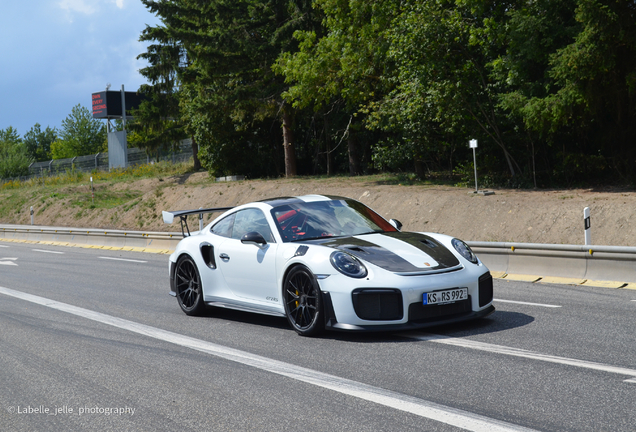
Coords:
188,286
303,302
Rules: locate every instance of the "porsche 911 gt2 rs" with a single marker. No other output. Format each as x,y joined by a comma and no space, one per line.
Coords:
326,263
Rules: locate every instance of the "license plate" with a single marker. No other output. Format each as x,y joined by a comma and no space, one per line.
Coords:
446,296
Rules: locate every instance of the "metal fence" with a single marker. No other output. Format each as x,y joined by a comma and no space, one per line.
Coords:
99,161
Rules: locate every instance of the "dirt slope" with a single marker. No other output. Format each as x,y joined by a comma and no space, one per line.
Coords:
553,216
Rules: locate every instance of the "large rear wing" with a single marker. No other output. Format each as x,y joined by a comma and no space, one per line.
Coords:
168,216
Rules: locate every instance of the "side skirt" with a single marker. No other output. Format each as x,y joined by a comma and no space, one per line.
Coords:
243,307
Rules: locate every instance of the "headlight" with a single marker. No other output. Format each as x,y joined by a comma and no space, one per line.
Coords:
348,265
464,250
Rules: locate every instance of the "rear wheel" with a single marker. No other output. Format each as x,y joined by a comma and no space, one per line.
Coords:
188,286
303,302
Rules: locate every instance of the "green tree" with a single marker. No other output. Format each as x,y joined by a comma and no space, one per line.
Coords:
532,31
14,157
591,91
230,95
80,135
344,69
158,122
419,70
546,86
38,142
444,90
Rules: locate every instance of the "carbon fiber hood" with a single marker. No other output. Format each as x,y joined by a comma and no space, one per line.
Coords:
398,252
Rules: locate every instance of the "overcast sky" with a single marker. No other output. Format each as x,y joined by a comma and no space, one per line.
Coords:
55,53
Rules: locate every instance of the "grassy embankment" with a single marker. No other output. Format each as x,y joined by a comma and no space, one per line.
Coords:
73,188
68,195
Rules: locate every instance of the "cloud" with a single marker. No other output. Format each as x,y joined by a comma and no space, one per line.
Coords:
61,51
86,7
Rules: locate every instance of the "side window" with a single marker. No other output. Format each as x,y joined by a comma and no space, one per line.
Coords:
224,226
250,220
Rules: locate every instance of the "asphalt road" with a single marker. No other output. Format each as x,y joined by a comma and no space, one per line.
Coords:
89,342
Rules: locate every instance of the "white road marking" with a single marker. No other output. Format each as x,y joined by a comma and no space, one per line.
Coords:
123,259
47,251
8,261
388,398
4,246
518,352
527,303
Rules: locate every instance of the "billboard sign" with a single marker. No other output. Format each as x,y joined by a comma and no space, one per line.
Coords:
107,104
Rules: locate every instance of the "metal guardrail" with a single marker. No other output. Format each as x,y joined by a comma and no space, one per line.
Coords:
137,240
597,263
601,263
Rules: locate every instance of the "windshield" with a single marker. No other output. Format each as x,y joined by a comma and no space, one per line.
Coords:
335,218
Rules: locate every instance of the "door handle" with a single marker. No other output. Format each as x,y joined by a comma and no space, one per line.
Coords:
224,257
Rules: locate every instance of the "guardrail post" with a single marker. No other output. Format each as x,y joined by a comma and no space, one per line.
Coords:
587,226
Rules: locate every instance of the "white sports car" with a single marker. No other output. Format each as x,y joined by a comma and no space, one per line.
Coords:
326,263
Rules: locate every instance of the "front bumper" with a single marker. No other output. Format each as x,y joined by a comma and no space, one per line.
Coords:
398,301
332,324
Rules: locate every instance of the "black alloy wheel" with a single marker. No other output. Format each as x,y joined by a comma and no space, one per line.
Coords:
303,302
188,286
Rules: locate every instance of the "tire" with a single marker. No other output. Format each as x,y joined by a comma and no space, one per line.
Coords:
303,302
187,282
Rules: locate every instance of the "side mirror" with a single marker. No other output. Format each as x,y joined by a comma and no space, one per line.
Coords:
254,238
396,224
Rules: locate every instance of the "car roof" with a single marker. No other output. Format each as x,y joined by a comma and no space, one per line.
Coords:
275,202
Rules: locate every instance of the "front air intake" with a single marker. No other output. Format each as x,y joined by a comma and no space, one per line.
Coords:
380,304
485,289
